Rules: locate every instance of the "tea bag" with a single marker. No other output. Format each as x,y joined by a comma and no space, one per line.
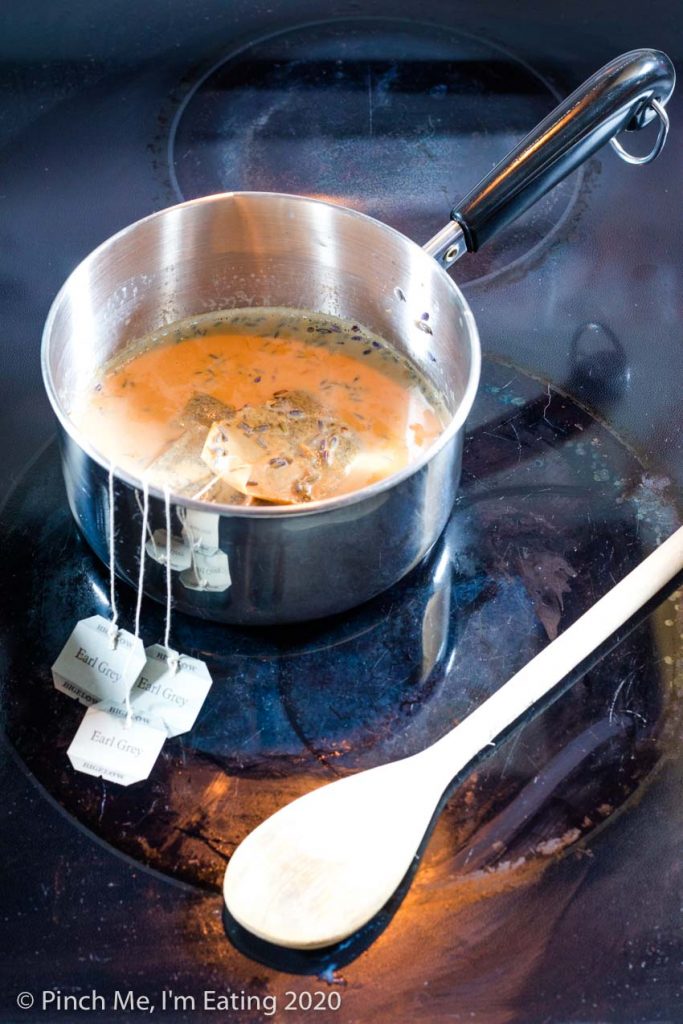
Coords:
219,491
179,466
288,450
203,409
297,404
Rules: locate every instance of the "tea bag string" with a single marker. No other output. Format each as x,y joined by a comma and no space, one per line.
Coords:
207,487
113,629
143,552
173,659
141,577
150,532
194,542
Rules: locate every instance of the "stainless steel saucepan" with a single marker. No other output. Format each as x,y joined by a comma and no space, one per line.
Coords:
289,563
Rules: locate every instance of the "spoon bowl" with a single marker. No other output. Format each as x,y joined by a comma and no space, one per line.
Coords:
339,874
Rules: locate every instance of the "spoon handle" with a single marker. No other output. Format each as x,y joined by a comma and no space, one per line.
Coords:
457,748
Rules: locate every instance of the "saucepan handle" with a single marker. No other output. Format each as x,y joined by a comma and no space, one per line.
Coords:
624,95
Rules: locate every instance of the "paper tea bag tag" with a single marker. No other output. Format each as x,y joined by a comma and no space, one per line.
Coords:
173,699
92,667
105,748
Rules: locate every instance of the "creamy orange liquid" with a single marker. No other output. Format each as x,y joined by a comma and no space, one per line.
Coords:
242,358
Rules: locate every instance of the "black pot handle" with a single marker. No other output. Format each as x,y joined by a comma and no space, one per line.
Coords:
625,95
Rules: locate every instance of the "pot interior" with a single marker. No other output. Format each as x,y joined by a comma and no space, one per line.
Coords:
260,249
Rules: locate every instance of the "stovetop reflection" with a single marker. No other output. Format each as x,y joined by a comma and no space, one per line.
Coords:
553,510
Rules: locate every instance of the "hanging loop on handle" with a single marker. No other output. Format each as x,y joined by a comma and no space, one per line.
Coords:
660,110
624,95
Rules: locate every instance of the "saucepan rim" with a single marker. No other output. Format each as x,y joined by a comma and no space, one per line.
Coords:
455,423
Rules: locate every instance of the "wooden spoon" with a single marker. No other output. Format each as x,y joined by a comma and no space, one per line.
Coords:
322,866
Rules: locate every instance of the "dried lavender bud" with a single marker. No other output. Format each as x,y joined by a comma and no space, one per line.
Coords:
303,488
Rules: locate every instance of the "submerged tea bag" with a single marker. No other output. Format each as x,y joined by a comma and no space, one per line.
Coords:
111,745
98,662
170,690
179,466
203,409
288,450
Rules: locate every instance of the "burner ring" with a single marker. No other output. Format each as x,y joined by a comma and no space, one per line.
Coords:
295,706
315,111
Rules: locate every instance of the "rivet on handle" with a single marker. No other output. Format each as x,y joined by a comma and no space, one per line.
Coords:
448,245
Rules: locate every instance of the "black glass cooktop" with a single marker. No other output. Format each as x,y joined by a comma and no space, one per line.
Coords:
550,890
390,117
553,509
